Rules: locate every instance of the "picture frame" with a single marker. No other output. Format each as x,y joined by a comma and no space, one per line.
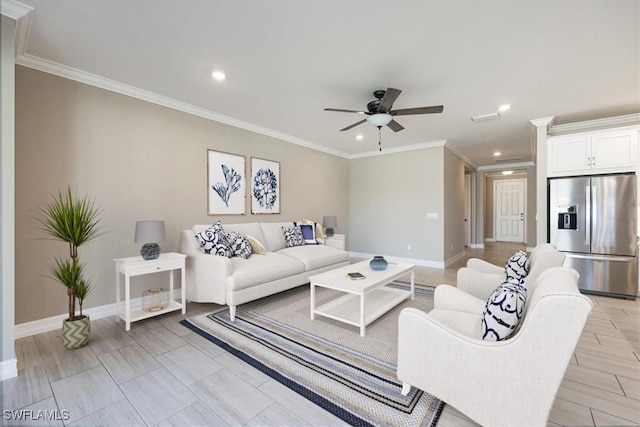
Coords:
265,186
226,182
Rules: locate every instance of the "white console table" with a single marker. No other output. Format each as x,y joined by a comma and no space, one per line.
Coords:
137,266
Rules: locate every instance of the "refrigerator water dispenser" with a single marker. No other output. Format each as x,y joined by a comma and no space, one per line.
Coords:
568,217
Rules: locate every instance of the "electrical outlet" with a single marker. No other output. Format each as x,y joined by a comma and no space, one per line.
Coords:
409,247
452,246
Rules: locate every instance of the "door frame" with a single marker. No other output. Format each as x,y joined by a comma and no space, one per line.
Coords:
524,205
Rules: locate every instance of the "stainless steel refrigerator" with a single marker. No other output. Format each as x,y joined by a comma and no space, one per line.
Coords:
592,219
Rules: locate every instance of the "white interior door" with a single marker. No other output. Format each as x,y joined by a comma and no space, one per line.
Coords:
509,212
467,210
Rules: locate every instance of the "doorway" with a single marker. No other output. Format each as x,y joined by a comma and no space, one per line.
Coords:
509,215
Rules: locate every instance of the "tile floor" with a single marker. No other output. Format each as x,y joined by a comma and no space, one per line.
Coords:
161,373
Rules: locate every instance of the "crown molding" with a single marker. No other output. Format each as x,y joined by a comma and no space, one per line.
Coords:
14,10
455,150
84,77
545,121
395,150
607,122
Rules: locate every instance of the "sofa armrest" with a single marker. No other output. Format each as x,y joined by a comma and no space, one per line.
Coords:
478,284
206,274
447,297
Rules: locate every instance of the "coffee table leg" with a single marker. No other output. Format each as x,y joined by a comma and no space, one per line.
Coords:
313,300
362,325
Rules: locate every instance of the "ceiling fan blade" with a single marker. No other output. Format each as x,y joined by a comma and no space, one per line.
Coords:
354,125
419,110
340,110
388,99
395,126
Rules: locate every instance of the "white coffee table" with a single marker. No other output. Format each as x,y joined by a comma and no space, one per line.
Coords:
364,300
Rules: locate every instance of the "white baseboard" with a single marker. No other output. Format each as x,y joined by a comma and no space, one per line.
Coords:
55,322
454,259
415,261
477,246
8,369
488,239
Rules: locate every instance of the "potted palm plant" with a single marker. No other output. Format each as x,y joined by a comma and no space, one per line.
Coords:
74,221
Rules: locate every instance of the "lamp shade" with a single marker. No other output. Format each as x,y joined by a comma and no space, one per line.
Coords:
329,221
380,119
149,232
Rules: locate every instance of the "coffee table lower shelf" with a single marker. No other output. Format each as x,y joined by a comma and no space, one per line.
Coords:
350,308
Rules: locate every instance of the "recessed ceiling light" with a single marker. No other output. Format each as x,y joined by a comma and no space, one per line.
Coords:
218,75
504,107
497,153
359,137
507,172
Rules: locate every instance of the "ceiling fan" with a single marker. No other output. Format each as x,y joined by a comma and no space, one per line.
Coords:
379,111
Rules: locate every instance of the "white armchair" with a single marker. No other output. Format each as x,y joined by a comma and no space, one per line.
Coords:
496,383
480,278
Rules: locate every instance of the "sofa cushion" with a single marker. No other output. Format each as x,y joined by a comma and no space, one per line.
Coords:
273,236
315,256
238,245
517,266
503,311
293,236
213,240
261,269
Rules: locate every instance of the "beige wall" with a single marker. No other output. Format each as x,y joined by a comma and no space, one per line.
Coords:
389,198
138,161
454,195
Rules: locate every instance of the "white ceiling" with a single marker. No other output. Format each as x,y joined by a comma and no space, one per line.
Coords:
287,60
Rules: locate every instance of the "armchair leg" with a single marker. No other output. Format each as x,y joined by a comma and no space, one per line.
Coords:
406,387
232,312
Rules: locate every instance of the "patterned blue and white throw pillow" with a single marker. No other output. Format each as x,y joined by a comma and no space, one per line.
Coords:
213,241
517,266
308,233
503,310
292,236
239,245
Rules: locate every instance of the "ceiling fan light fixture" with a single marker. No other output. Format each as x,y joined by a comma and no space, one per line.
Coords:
380,119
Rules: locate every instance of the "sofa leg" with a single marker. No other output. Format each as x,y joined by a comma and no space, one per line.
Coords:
232,312
406,387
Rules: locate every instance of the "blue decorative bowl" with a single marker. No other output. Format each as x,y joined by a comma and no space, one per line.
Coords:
378,263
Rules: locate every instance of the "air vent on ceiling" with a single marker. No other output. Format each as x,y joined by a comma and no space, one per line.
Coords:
508,159
484,117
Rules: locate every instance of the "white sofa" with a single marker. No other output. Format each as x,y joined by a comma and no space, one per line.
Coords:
496,383
234,281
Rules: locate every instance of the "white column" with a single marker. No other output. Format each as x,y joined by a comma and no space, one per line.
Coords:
540,150
15,20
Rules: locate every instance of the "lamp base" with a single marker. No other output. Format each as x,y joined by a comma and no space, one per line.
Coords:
150,251
329,232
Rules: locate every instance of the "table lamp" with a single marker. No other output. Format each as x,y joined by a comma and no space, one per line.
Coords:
329,223
150,233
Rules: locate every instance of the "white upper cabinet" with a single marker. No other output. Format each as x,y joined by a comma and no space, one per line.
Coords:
593,153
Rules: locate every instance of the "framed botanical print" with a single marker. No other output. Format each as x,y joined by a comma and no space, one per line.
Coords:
226,183
265,186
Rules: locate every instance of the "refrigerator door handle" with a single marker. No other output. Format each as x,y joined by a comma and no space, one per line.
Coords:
587,214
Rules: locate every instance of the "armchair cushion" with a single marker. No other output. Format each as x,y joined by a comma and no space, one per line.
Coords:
503,310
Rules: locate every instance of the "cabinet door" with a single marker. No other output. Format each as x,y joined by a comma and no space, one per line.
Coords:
569,155
613,152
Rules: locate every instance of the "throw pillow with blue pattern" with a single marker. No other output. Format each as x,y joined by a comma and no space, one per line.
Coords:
517,266
239,245
292,236
213,241
503,310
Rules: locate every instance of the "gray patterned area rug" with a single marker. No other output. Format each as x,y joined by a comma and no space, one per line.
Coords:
326,361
